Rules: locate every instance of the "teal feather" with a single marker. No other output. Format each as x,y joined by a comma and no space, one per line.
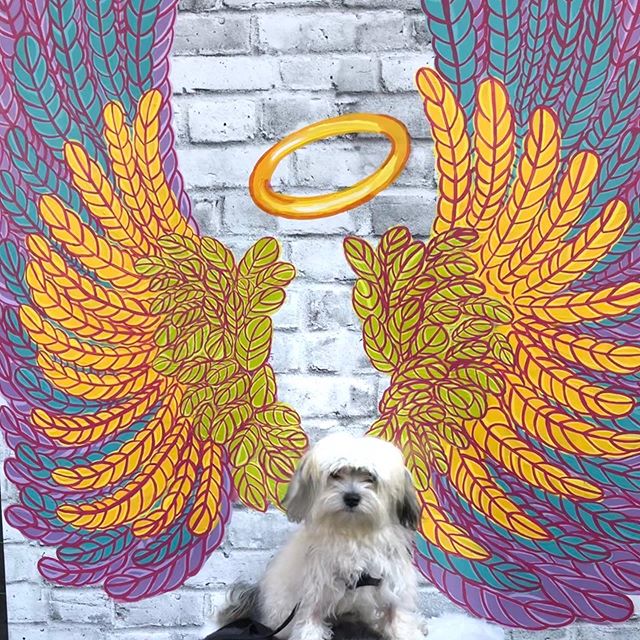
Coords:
165,546
505,43
12,270
97,547
559,545
40,177
455,41
535,50
616,118
68,51
612,177
44,505
40,465
596,517
494,572
140,18
591,74
43,103
42,393
105,55
19,205
561,54
19,339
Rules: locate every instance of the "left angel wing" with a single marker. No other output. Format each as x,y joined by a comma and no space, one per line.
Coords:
133,352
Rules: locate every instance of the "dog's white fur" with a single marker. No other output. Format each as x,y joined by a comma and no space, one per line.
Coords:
337,543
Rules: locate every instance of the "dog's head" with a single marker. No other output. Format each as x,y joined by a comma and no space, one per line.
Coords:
352,482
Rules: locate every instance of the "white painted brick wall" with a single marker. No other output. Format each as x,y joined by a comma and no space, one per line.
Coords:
245,72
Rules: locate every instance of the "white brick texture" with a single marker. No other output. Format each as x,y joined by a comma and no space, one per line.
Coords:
244,73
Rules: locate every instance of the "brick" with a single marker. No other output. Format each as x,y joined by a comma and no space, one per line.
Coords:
307,33
337,351
383,31
329,308
321,259
226,566
287,352
237,73
327,165
327,395
207,210
398,71
405,107
401,5
228,166
251,530
289,315
26,602
21,561
355,74
224,120
89,606
274,4
177,609
356,222
219,34
413,209
283,114
241,215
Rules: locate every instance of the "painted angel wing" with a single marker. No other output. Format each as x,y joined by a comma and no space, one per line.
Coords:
133,352
511,337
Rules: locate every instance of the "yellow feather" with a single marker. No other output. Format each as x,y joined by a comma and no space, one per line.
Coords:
95,253
599,355
97,301
204,515
495,436
536,172
558,382
569,308
560,431
70,315
129,457
575,257
452,148
174,501
84,429
120,148
494,144
146,129
471,478
92,386
137,497
436,527
82,353
99,197
563,212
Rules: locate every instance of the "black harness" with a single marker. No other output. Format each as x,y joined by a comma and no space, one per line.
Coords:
247,629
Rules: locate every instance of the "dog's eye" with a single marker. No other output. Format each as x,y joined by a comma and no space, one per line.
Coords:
370,478
335,475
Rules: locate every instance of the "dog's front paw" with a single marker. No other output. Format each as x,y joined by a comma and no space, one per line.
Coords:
311,631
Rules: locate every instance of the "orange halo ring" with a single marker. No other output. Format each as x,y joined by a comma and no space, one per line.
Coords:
330,204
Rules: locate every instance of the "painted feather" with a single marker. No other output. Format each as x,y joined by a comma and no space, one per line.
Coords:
133,352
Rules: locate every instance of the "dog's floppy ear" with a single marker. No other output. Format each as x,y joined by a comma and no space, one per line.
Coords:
408,508
299,497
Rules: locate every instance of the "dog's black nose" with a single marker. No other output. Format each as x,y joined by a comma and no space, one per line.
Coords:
351,499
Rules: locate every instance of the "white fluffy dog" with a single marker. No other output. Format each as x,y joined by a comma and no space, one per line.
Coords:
352,558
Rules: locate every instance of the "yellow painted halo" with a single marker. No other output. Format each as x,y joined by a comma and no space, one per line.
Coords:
325,205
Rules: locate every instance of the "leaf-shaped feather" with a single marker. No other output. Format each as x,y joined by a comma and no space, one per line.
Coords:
452,147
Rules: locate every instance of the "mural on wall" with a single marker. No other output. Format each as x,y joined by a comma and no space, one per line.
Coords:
134,351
